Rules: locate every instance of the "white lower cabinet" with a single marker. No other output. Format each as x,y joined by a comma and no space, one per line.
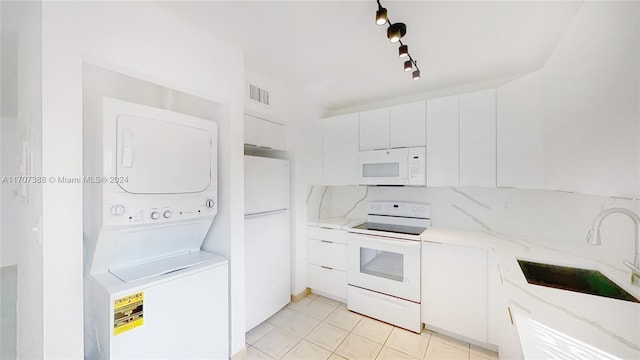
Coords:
328,261
454,290
328,281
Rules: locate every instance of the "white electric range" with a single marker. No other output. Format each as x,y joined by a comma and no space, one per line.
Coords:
383,263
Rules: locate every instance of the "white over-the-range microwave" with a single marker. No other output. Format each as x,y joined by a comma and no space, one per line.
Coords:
403,166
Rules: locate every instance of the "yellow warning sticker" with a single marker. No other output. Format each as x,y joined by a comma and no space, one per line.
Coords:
128,313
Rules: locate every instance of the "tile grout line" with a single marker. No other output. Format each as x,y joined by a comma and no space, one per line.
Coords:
337,306
302,338
321,321
345,338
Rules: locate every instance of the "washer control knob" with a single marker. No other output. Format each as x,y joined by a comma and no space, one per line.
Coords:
155,215
209,203
117,210
167,214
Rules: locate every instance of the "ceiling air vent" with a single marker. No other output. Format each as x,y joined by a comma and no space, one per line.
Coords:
258,94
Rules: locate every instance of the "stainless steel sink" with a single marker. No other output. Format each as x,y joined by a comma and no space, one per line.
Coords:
573,279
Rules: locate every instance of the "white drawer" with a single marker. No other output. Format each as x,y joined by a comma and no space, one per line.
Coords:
334,235
326,253
399,312
329,281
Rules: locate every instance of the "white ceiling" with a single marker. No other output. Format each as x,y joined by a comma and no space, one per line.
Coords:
334,52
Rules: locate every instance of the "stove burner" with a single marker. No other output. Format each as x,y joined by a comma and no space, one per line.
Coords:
398,229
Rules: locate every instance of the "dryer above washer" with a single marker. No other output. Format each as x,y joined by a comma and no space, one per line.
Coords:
160,166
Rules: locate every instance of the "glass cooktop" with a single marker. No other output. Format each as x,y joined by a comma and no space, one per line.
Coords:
398,229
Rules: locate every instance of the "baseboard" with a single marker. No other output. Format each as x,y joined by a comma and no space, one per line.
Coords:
301,295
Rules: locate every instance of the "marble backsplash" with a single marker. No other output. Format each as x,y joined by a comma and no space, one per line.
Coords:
555,220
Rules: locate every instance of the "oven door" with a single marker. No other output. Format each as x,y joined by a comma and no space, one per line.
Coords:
386,265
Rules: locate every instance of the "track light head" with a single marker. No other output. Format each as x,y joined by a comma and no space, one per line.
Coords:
416,74
408,66
403,51
381,15
396,31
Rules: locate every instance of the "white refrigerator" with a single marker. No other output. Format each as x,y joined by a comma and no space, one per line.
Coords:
267,238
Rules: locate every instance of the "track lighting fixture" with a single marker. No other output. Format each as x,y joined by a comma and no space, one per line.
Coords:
408,66
395,32
381,15
403,51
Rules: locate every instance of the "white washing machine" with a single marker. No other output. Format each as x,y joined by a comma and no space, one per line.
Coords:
150,197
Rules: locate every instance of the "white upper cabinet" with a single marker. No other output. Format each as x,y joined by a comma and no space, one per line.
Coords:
442,140
478,138
461,138
264,133
374,129
395,127
408,125
340,150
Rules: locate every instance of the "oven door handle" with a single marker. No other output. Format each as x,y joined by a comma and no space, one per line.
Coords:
387,241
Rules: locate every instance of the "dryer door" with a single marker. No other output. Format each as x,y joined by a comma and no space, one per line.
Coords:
161,156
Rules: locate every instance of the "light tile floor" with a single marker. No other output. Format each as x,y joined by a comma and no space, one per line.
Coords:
319,328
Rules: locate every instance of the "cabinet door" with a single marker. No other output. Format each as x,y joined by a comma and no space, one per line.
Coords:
374,129
329,254
272,135
332,235
309,152
251,130
328,281
454,289
408,124
340,150
478,138
442,140
521,144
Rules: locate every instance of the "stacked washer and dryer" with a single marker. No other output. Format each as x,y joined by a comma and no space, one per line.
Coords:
151,197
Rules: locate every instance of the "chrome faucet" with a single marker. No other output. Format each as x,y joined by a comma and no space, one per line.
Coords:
593,238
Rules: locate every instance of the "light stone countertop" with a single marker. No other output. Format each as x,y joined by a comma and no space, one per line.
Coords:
336,222
552,320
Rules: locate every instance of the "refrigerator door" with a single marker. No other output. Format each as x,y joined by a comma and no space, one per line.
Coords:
266,184
267,266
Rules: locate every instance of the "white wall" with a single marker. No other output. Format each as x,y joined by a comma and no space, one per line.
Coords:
21,204
147,41
574,124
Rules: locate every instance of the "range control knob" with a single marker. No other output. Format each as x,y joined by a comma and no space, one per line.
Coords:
155,215
167,214
209,203
117,210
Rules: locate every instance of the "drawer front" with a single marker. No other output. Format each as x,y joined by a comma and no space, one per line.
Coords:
334,235
330,254
329,281
399,312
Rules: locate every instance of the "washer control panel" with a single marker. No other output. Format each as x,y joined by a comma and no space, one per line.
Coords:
118,211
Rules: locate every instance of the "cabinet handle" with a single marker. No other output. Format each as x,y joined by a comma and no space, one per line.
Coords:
327,241
510,314
326,267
